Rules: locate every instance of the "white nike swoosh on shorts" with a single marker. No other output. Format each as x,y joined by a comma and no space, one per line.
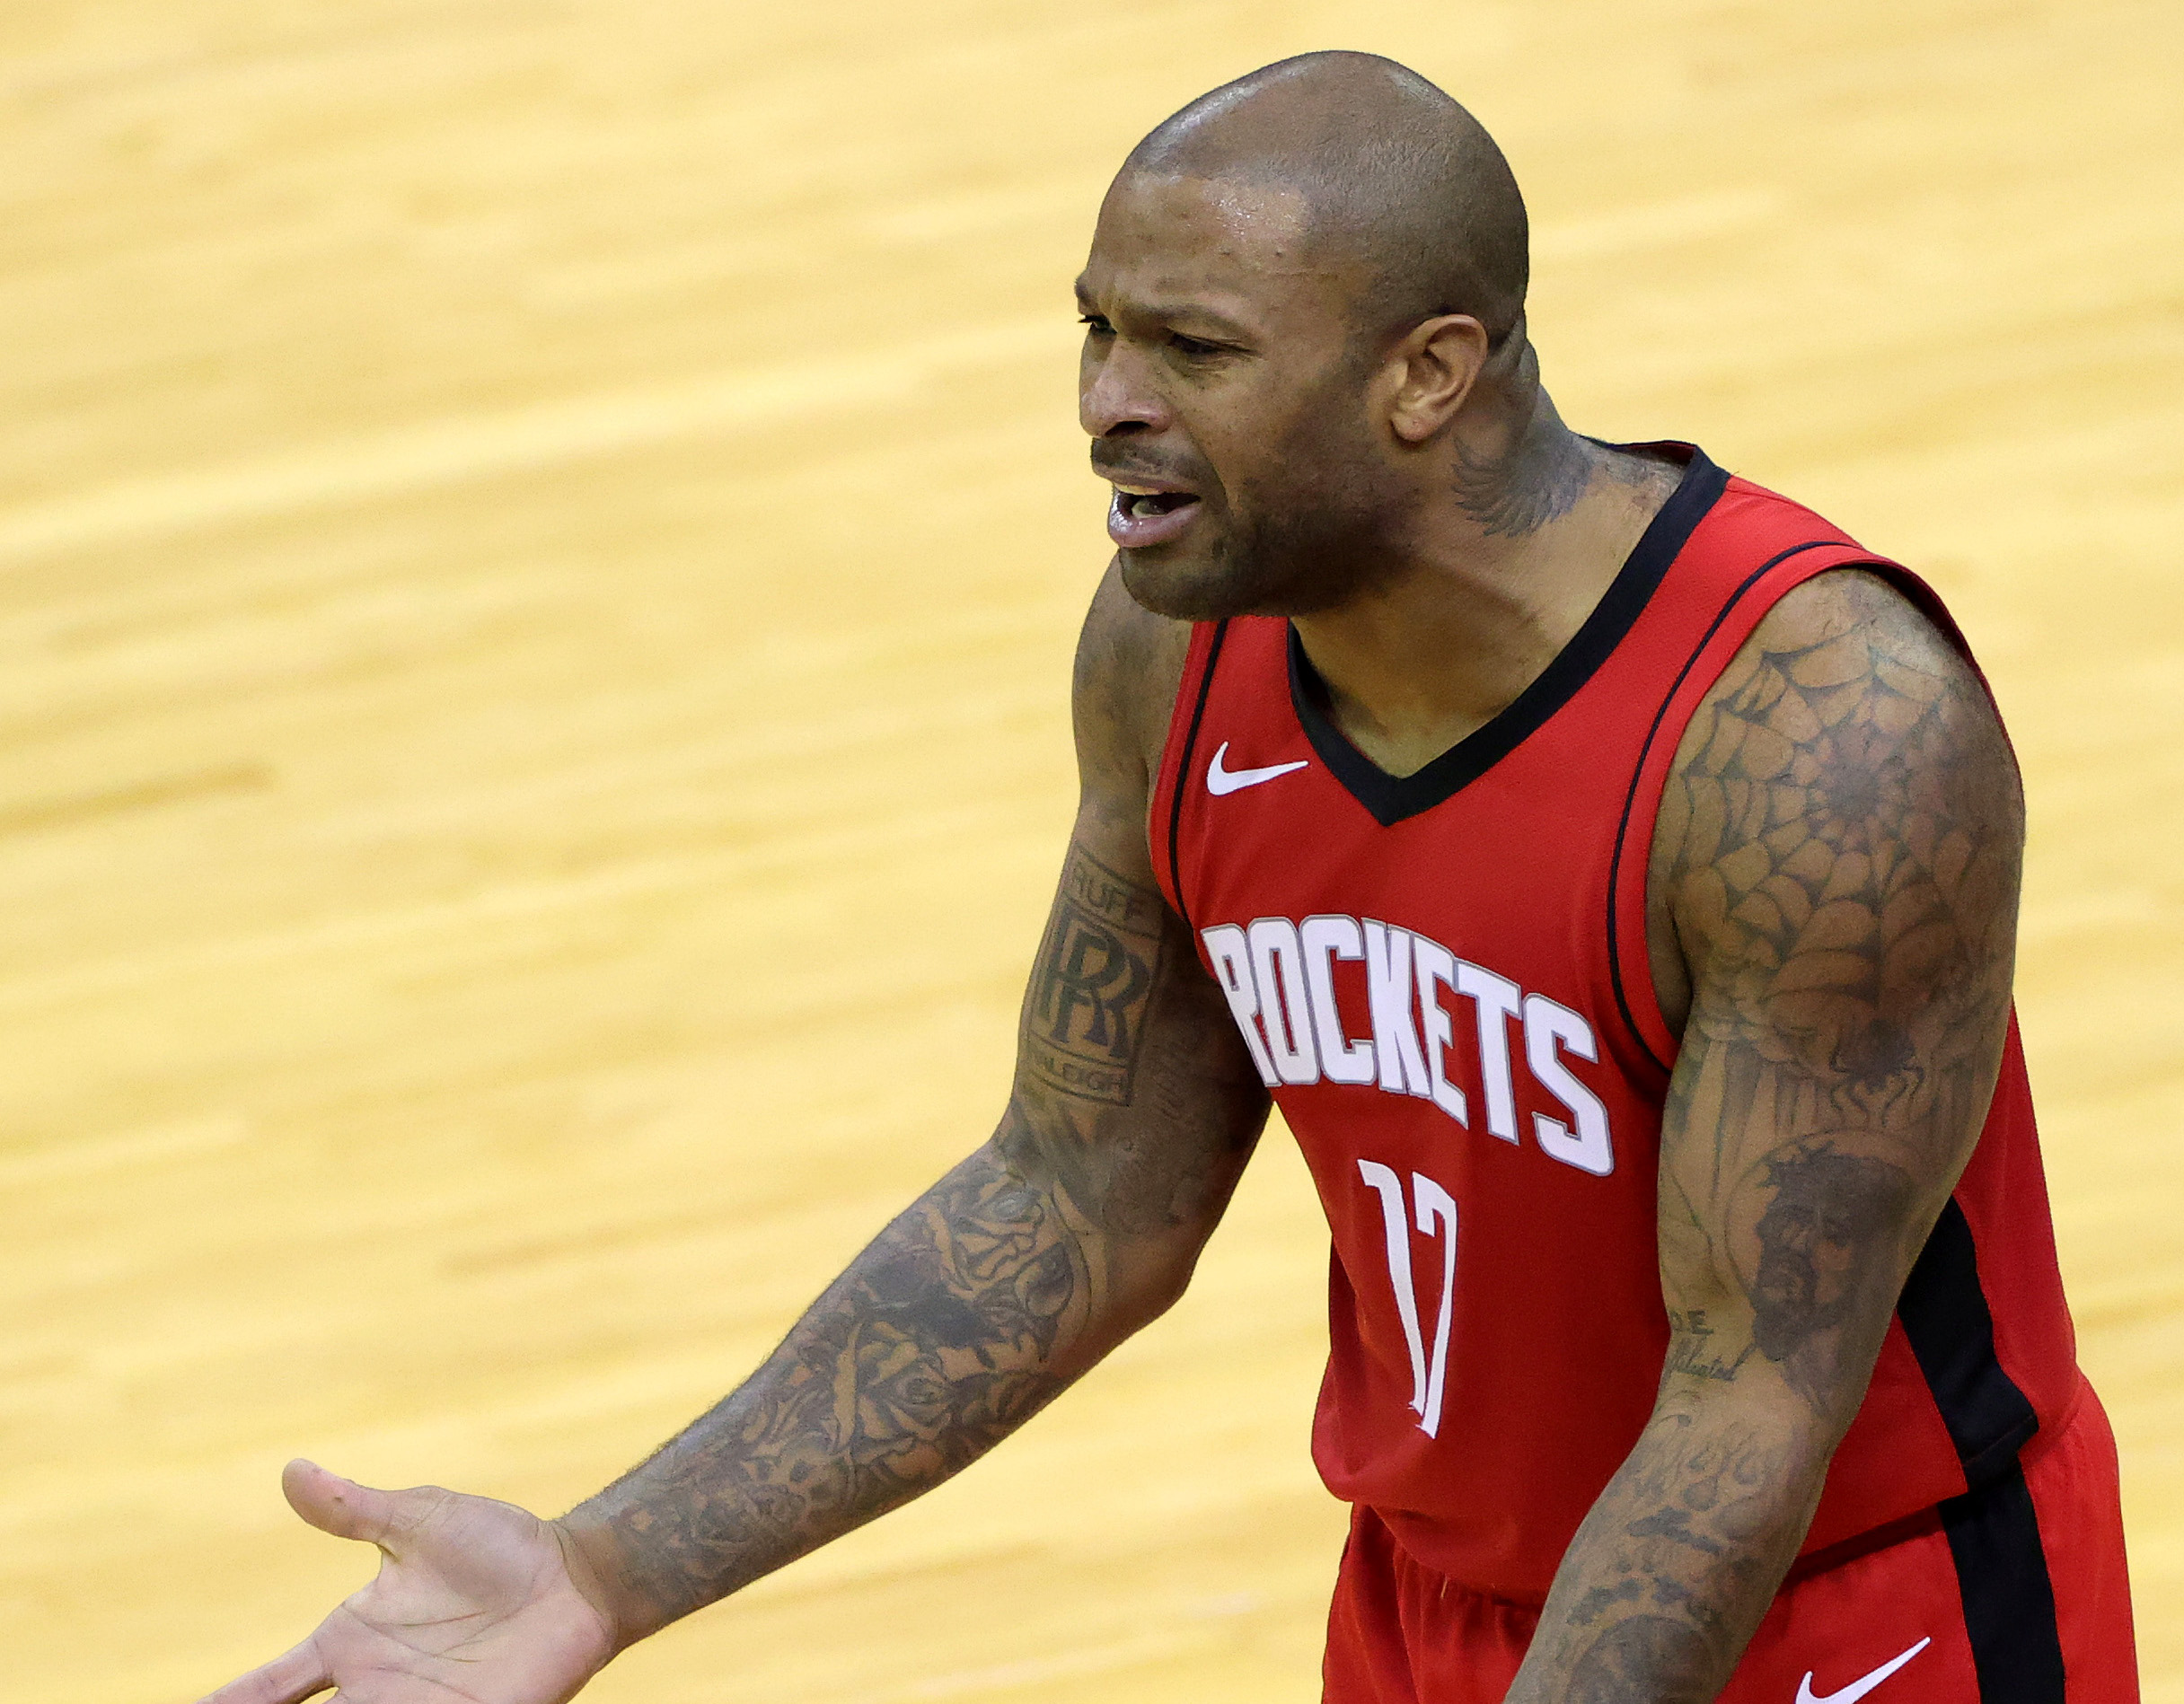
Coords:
1858,1688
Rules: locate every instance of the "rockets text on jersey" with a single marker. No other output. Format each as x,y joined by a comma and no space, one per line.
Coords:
1280,979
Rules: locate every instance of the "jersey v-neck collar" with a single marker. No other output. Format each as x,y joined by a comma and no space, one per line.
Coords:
1391,798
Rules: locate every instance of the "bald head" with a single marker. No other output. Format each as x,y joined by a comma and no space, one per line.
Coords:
1399,180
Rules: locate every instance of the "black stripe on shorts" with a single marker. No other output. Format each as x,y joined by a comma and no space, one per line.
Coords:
2009,1601
1993,1531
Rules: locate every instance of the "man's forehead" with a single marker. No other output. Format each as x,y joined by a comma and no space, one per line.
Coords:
1250,221
1221,242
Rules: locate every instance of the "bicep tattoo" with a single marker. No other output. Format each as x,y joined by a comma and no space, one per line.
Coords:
1132,1088
1838,857
1092,984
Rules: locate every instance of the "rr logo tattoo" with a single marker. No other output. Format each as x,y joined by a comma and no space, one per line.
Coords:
1095,972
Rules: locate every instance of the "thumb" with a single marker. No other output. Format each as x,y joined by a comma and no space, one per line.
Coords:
339,1506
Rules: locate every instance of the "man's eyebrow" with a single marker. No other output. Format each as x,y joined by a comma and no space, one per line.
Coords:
1194,314
1173,313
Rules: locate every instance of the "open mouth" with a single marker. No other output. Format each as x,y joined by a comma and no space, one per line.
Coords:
1139,519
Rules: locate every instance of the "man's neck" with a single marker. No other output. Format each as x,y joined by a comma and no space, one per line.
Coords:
1499,580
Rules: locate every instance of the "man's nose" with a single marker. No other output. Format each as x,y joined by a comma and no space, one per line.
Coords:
1114,396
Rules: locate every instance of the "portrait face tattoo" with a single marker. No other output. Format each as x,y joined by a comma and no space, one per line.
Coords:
1826,1213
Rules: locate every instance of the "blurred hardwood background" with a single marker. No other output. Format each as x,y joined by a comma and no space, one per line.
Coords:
539,546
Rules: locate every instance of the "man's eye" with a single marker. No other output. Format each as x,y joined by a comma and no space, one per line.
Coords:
1194,346
1096,323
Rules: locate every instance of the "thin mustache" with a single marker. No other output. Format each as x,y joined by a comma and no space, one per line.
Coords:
1114,468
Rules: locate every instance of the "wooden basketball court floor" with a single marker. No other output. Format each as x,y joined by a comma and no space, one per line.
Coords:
538,545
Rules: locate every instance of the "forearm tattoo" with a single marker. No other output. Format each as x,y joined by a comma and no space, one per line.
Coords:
1837,864
1002,1284
929,1349
1673,1567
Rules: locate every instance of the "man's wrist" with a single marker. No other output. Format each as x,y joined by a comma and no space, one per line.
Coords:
592,1555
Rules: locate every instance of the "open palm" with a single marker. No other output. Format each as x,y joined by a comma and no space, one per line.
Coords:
475,1603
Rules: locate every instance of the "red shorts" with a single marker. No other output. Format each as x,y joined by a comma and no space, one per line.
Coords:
2014,1593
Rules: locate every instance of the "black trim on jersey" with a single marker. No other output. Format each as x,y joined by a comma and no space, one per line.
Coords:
1630,799
1391,798
2009,1600
1945,1315
1182,773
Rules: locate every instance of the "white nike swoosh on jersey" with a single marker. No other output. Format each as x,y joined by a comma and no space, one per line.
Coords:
1220,780
1857,1688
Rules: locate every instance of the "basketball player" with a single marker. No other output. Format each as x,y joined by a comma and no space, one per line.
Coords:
1611,868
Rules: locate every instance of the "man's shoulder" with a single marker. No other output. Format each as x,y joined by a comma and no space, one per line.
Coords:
1129,664
1849,743
1859,601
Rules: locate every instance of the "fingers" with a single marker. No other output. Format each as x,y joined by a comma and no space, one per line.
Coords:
339,1506
287,1678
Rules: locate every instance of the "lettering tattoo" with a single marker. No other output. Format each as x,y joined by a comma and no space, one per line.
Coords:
1132,1087
1832,909
1695,1352
1095,969
1133,1111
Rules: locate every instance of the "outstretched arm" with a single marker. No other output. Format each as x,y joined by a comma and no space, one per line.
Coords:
1835,889
1076,1223
1132,1112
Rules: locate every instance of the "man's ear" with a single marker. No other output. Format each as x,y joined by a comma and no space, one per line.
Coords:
1432,371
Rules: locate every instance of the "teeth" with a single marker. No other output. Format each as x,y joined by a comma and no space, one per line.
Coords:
1144,503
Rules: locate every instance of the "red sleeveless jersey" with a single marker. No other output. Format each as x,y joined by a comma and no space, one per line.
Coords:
1443,979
